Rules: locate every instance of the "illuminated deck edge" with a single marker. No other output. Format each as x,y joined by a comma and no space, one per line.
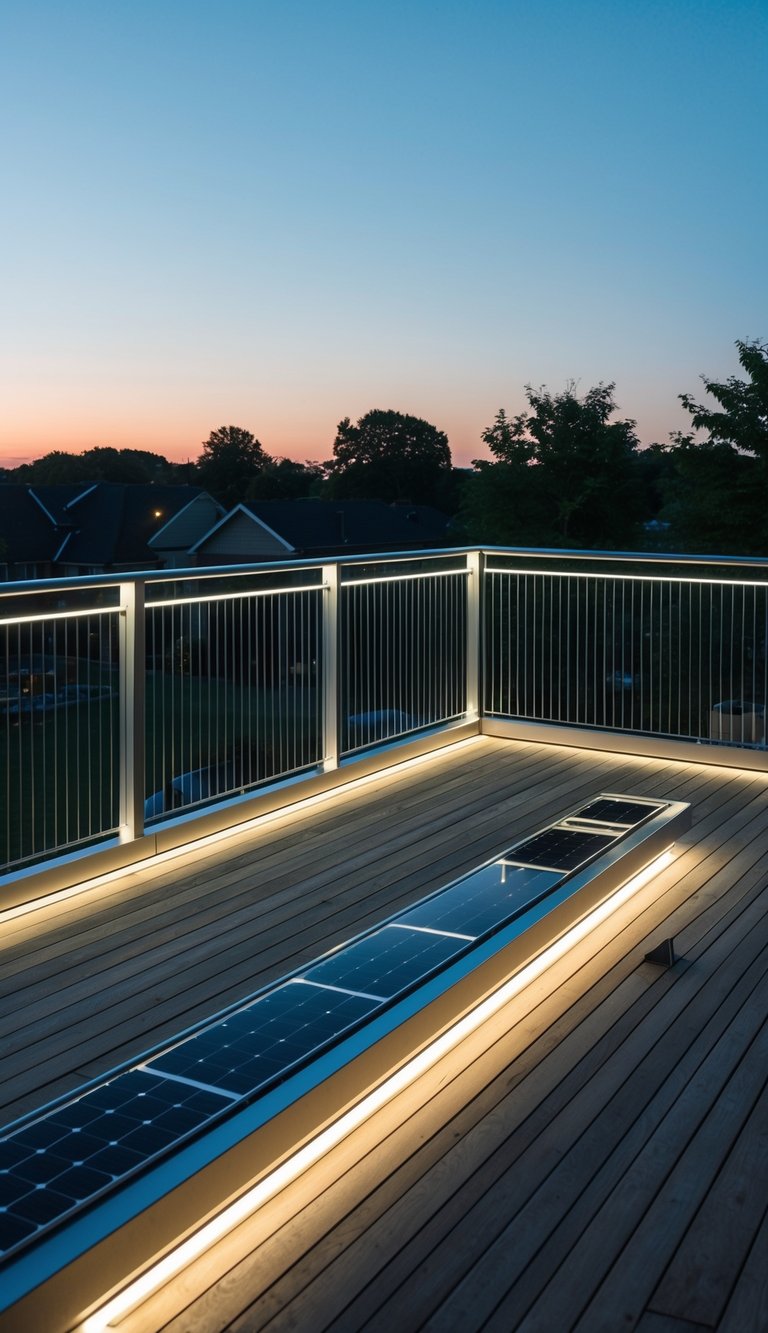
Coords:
57,1280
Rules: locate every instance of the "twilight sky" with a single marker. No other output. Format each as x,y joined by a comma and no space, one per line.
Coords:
277,213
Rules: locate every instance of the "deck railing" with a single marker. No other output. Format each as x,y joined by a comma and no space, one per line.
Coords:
129,700
673,649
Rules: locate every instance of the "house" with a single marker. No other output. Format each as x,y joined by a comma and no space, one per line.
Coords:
173,541
97,527
107,526
274,529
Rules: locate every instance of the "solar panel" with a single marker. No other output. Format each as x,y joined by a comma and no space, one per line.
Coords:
51,1166
386,962
609,810
561,848
255,1045
483,900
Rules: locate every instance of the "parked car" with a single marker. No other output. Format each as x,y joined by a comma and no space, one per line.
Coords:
31,704
187,789
378,725
83,694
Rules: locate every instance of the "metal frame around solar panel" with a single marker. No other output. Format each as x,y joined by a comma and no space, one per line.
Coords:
205,1127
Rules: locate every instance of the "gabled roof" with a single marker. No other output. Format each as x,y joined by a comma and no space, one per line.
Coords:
191,517
111,523
57,496
305,526
27,533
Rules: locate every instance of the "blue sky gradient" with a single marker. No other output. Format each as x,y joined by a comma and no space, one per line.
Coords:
278,214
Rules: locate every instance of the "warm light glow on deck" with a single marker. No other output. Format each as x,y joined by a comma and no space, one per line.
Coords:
172,1263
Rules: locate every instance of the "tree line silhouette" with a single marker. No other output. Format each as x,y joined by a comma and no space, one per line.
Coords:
566,472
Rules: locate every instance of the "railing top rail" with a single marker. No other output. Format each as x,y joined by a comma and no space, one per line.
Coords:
185,573
637,557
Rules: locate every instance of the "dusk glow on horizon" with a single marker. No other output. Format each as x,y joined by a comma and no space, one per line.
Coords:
279,215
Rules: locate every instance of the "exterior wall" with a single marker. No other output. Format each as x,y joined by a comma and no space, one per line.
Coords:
242,539
185,528
30,569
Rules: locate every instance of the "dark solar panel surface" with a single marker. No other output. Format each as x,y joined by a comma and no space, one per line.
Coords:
51,1166
607,811
386,962
247,1049
561,849
483,900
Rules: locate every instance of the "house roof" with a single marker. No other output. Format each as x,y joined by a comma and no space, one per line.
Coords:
55,497
192,516
96,524
110,523
27,534
333,525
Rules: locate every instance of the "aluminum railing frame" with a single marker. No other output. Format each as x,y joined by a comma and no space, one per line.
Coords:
134,595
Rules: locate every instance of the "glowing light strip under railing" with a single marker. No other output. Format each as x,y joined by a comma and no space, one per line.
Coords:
241,595
625,578
406,578
78,613
166,1268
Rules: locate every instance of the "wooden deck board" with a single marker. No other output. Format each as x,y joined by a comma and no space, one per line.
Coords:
563,1172
705,1267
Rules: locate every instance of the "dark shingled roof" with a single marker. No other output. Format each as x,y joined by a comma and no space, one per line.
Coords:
111,523
366,525
57,496
26,533
102,524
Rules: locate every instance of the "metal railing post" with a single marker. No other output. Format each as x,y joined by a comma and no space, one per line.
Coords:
475,567
331,666
132,710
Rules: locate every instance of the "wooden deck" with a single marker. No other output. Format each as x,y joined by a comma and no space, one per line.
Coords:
594,1158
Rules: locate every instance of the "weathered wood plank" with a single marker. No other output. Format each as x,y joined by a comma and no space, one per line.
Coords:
703,1272
748,1304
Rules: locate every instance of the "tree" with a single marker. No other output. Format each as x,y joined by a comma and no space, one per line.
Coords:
741,420
719,493
392,457
52,469
714,499
570,471
231,458
125,465
286,479
102,463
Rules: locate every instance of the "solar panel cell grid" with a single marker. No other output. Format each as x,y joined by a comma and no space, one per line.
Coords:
609,811
51,1166
561,849
482,901
386,962
248,1048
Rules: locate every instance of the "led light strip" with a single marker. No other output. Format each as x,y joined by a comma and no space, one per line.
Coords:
161,1272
